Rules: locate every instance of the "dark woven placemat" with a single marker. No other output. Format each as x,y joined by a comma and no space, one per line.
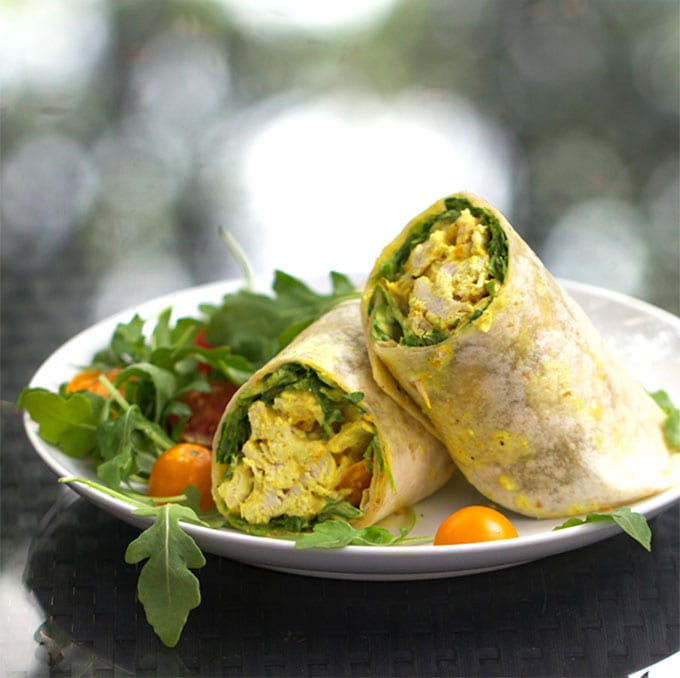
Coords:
607,609
40,310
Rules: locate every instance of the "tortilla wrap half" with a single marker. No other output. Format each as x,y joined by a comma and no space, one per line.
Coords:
469,331
299,437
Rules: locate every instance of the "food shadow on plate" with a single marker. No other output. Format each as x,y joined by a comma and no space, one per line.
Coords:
607,608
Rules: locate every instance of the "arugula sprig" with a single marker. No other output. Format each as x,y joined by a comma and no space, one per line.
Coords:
335,534
169,347
82,424
69,423
632,523
124,432
333,531
167,588
257,326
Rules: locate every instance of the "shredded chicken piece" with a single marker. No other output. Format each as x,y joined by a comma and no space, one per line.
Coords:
287,467
446,275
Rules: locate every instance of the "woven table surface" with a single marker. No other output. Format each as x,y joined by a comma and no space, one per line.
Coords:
607,609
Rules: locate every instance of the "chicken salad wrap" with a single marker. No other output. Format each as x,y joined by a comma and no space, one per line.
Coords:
311,433
469,331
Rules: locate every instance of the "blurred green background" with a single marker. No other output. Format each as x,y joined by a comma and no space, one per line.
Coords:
133,130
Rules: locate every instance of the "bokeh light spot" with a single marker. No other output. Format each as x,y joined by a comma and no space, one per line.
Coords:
179,80
51,45
282,16
48,185
599,241
331,181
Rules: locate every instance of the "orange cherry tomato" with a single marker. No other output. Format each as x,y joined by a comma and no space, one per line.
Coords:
88,380
473,524
180,466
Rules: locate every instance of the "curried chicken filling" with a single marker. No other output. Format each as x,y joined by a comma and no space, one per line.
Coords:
442,278
445,278
292,464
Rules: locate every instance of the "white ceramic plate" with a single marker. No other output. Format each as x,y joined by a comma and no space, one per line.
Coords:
645,337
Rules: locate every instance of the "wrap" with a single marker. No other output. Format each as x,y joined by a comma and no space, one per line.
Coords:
468,330
311,433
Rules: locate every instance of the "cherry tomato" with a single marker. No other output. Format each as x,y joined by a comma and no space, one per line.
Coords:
88,380
473,524
180,466
207,410
200,340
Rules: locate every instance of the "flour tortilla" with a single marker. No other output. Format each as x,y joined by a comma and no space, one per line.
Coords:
533,407
415,463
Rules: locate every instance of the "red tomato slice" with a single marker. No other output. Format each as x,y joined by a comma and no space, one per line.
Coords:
200,340
207,410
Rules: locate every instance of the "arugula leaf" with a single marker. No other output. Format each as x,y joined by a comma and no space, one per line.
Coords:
162,334
335,534
257,326
663,400
340,509
281,526
342,285
128,444
128,345
221,358
114,440
632,523
143,377
67,421
671,426
166,587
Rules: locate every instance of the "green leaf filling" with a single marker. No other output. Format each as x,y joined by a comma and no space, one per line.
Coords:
290,527
236,429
